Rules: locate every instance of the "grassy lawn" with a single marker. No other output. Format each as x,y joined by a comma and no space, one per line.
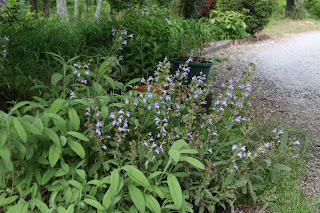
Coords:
285,26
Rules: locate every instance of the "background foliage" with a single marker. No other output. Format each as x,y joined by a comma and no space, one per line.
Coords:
257,12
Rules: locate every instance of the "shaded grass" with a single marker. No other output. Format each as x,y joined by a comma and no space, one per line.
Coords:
284,191
286,26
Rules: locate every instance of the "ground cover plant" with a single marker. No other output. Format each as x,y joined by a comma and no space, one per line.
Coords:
90,143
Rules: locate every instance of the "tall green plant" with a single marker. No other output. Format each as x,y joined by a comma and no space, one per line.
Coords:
257,12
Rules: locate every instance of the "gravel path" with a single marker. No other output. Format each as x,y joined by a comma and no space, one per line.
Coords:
289,79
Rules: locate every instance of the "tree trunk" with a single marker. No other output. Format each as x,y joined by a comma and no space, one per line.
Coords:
46,8
98,10
34,6
76,8
289,8
62,9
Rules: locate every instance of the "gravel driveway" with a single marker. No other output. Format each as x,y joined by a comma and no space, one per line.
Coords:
289,79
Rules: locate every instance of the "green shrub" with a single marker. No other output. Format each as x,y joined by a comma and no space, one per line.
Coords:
229,25
154,39
257,12
91,143
313,6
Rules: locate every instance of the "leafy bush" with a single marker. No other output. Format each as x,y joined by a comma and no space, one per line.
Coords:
91,143
313,6
257,12
229,25
152,27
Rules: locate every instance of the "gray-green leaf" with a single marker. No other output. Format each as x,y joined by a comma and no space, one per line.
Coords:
175,190
137,198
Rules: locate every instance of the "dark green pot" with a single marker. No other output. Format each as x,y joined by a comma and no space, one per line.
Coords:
195,68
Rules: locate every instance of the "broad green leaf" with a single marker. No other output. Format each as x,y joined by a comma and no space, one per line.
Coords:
157,190
107,199
10,200
154,174
75,184
63,140
77,148
119,105
152,204
81,173
114,181
94,168
34,190
70,209
81,101
133,81
119,85
268,161
193,162
179,144
60,173
241,183
74,118
178,131
283,141
104,112
29,127
21,206
6,155
94,203
252,193
30,151
110,81
175,190
52,135
41,205
229,143
20,147
48,175
97,88
282,167
137,197
57,117
56,106
3,137
18,105
55,78
19,129
67,195
77,135
61,209
54,154
188,151
64,166
136,175
175,155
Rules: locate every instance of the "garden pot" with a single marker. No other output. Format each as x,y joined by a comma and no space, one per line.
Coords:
154,89
195,67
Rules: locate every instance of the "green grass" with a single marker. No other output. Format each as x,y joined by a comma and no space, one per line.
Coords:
218,58
286,26
284,189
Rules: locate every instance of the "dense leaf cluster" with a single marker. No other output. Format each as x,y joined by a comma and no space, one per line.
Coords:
257,12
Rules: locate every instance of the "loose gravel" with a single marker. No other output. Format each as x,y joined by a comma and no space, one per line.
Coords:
289,78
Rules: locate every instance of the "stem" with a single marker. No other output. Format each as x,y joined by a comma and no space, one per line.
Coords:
165,169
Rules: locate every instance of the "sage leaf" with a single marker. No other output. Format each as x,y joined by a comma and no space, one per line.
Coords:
137,197
19,129
175,190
